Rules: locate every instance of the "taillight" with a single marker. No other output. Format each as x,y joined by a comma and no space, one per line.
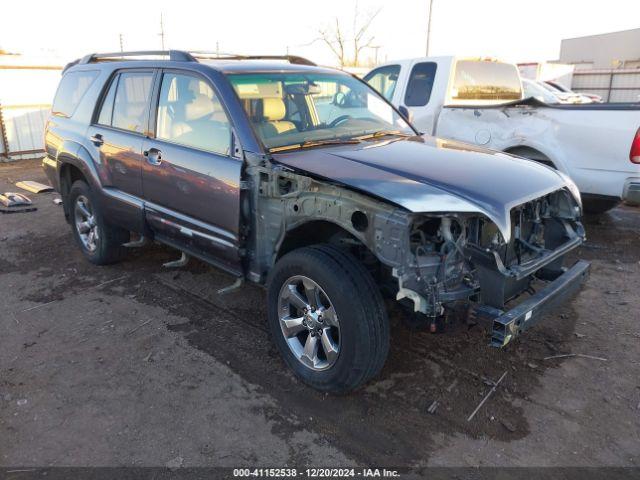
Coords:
634,153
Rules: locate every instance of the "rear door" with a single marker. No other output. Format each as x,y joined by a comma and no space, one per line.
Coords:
190,180
117,134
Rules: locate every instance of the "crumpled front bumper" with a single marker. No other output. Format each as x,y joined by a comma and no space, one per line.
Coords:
509,324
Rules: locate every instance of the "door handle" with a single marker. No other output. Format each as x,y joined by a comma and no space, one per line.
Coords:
97,139
154,156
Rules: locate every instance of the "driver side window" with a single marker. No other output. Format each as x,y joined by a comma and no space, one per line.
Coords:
189,113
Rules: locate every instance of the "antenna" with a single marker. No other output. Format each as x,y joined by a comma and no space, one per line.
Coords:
121,43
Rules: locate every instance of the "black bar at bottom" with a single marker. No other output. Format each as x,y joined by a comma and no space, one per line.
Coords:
528,313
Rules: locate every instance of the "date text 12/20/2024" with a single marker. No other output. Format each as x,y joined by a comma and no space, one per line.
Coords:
316,472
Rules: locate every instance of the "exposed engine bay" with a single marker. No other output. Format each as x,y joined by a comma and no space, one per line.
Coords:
463,256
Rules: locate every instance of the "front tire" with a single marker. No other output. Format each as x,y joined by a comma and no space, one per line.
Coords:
99,241
342,339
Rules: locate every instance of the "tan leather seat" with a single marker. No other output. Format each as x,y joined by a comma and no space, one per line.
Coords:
271,118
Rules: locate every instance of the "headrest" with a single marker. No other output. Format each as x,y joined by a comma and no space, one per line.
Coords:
199,107
273,109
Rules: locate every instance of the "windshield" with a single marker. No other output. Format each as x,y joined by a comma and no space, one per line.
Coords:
294,110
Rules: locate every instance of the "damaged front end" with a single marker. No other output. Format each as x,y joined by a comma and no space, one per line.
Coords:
458,257
437,260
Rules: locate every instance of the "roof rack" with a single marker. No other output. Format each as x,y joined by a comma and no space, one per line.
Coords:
184,56
174,55
294,59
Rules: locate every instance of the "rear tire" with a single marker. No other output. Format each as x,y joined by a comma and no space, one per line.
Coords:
360,331
99,241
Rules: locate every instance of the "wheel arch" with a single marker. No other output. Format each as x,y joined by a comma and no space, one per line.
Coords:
315,231
75,163
531,153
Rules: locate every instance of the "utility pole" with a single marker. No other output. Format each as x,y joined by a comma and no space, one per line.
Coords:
161,31
375,49
121,43
429,25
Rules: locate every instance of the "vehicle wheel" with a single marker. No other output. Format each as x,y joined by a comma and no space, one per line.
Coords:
327,318
100,242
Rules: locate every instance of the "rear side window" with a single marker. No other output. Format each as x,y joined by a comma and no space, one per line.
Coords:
128,99
106,111
485,81
384,80
420,84
72,88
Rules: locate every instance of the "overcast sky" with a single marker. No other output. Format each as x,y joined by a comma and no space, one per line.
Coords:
511,30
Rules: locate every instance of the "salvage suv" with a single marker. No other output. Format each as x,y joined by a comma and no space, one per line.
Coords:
304,179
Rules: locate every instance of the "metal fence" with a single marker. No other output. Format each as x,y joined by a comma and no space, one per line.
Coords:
25,96
613,85
22,130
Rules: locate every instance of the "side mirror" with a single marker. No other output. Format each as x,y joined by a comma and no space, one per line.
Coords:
404,111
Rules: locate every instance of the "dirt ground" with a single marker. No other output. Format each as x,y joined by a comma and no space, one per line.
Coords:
137,365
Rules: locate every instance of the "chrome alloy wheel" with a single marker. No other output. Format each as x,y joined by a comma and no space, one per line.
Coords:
309,323
86,225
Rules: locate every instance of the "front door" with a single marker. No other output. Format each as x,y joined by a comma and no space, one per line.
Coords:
190,181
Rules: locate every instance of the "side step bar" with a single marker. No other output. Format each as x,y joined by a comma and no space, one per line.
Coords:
141,242
181,262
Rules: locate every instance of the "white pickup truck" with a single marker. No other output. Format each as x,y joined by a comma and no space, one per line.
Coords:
481,102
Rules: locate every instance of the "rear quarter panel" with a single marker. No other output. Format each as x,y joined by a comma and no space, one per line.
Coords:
65,138
591,146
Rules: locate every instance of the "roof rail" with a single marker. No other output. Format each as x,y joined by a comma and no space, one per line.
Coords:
174,55
185,56
294,59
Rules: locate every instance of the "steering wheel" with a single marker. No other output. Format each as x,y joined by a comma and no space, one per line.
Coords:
336,121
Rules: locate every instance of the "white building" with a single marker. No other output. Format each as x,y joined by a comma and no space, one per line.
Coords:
607,50
607,64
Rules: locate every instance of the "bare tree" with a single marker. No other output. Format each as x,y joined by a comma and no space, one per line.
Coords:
334,37
360,39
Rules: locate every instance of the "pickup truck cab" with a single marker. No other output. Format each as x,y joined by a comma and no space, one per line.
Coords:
305,180
481,102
